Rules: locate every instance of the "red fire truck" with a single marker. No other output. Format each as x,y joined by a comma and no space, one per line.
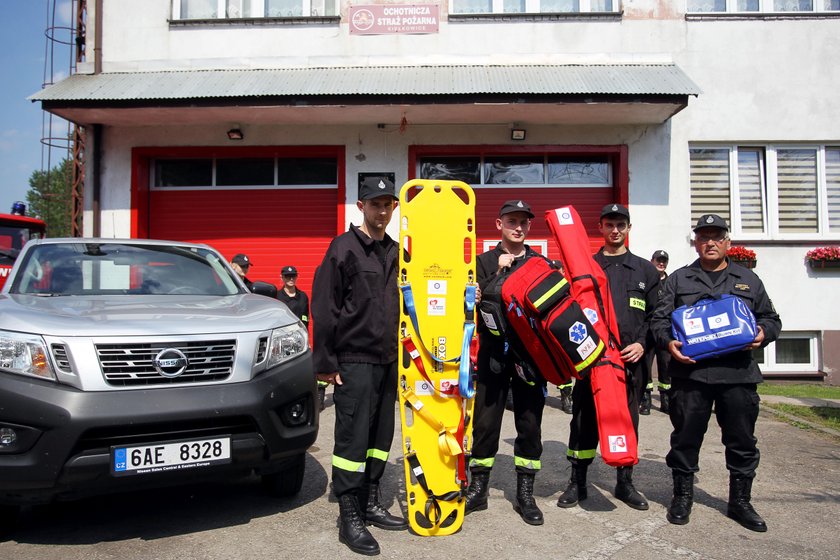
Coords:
15,230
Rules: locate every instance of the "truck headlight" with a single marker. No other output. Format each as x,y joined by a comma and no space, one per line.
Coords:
25,354
286,343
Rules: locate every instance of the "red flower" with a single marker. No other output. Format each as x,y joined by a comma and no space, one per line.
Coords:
824,254
738,253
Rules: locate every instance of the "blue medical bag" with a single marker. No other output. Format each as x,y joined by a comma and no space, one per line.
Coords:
713,327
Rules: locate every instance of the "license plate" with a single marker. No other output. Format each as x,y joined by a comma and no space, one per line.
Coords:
169,456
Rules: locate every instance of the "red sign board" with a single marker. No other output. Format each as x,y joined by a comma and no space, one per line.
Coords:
381,19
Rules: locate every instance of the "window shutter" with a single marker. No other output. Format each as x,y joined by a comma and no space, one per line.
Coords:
751,189
797,176
832,182
709,182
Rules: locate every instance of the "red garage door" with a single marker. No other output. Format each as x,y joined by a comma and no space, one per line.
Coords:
275,224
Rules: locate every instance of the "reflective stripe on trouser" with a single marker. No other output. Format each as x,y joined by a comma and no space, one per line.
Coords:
364,424
583,428
482,464
664,386
491,394
736,409
526,465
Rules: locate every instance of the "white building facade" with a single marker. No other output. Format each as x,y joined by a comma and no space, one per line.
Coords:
248,124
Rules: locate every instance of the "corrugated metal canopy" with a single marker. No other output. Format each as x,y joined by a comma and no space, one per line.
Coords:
538,80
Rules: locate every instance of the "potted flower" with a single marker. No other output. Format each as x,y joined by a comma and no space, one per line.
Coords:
823,257
741,255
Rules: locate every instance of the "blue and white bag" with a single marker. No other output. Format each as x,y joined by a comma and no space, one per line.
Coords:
713,327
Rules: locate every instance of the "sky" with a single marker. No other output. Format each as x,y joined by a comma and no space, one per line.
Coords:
24,46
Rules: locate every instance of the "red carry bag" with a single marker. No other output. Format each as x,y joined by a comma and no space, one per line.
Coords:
591,291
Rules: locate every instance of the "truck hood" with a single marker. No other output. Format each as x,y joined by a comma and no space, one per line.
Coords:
122,315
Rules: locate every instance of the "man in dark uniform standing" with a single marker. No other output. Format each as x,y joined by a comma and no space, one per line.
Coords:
355,310
295,299
634,283
726,382
497,373
660,261
241,264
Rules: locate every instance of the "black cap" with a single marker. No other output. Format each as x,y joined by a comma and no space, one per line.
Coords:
711,220
516,206
660,254
615,208
289,271
241,259
373,187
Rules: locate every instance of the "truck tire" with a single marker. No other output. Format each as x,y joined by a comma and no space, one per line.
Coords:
288,481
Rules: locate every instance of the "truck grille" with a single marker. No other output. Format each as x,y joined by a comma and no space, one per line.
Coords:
131,364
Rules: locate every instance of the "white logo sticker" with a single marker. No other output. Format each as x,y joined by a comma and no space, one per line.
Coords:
436,306
489,322
437,288
618,443
693,325
586,348
564,216
423,387
591,314
718,321
449,388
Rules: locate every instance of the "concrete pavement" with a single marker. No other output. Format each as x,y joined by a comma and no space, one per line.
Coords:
797,491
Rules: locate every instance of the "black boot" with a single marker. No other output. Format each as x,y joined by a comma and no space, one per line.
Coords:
664,402
644,406
566,400
576,490
739,507
477,492
525,504
351,527
683,498
377,515
625,491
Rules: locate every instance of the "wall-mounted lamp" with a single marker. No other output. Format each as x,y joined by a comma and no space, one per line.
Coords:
235,134
517,134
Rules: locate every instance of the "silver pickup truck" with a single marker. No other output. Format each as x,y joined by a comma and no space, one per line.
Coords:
136,363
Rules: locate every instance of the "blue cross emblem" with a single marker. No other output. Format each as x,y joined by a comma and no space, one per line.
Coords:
577,332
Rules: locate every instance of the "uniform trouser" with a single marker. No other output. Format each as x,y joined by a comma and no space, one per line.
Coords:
583,428
662,376
364,424
736,409
490,396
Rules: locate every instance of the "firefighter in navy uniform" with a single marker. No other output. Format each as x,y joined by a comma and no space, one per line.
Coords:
662,357
497,372
634,284
355,312
726,382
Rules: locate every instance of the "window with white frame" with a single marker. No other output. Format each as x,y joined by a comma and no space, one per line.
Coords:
533,6
792,352
529,171
769,192
233,9
761,6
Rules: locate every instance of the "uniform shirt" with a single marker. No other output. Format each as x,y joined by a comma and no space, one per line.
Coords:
634,286
690,284
298,304
355,302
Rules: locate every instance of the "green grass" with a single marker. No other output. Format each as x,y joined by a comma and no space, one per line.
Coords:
828,417
816,390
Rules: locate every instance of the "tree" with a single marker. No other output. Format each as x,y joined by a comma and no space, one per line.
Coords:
50,197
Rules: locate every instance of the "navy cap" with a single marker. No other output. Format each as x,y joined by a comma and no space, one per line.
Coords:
615,208
711,220
660,254
516,206
241,259
289,271
373,187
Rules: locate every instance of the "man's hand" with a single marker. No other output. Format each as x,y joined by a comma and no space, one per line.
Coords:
756,343
674,348
332,378
505,261
632,353
477,295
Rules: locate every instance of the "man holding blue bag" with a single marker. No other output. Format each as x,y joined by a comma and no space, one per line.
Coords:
697,321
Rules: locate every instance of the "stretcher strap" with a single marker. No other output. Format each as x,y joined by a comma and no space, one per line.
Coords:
433,510
448,441
414,353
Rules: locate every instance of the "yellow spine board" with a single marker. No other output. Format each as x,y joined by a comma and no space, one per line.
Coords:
437,258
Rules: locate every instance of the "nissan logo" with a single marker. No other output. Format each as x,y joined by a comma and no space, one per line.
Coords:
170,362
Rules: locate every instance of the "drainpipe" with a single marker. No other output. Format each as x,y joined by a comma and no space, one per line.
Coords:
97,128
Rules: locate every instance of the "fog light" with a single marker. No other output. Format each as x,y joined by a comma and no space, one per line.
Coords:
296,411
7,437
